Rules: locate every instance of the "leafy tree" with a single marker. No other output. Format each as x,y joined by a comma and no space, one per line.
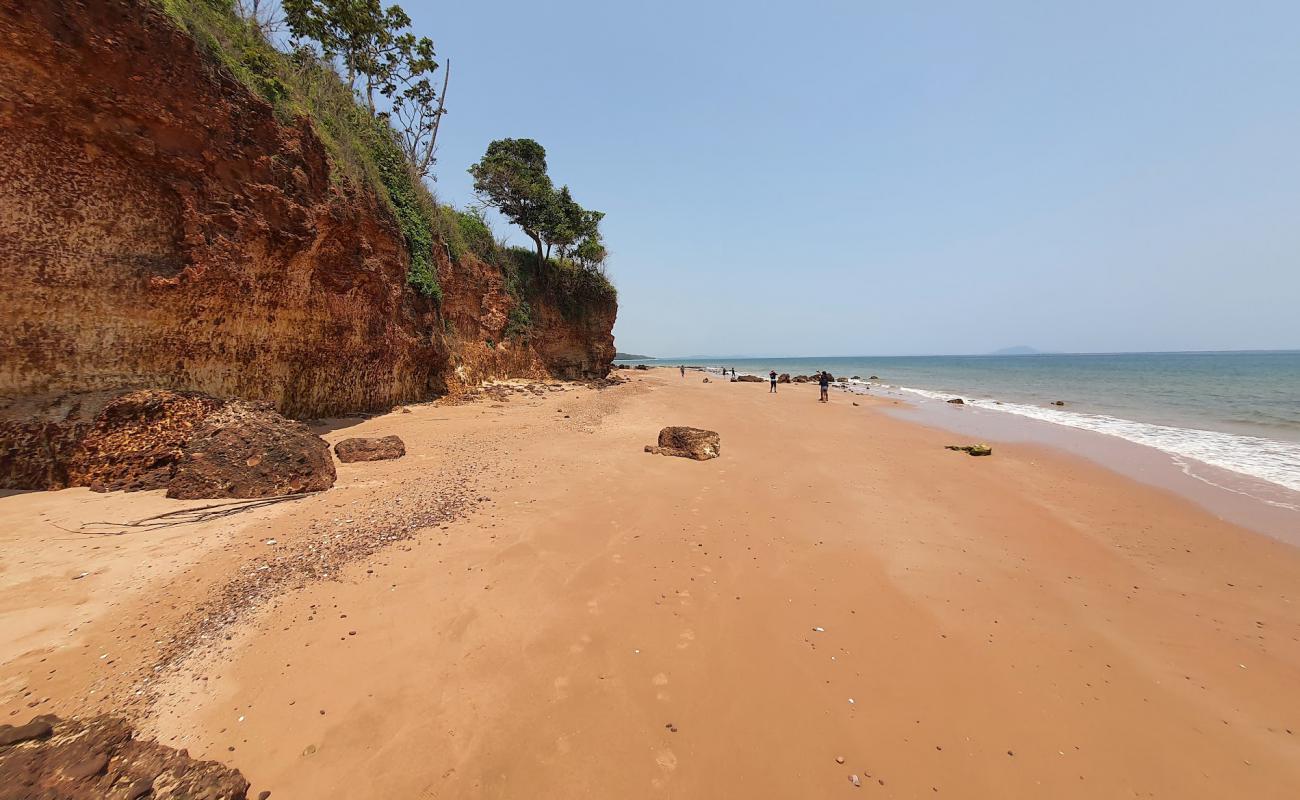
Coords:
591,253
366,37
511,177
569,225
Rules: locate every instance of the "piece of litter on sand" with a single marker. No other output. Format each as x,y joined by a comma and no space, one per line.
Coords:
270,541
820,630
79,577
853,779
850,701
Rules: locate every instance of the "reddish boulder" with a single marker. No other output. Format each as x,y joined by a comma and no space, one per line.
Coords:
137,440
381,449
683,442
248,450
100,757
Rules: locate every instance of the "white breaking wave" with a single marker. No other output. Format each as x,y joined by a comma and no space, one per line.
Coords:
1267,459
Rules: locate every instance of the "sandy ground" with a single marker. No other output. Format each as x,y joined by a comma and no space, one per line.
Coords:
587,620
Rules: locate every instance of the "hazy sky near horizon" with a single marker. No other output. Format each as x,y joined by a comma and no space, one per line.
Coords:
876,178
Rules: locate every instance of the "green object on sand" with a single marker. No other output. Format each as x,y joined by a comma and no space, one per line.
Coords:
973,449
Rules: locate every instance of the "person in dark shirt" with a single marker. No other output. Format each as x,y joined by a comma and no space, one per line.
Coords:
772,375
824,380
683,369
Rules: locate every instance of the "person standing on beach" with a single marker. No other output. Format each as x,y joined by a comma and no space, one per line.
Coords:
824,380
683,369
772,375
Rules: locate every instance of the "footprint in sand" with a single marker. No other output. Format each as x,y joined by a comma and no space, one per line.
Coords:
561,688
686,637
618,559
581,644
593,606
659,680
667,760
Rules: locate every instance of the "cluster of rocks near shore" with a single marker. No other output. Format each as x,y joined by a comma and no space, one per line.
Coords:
54,759
192,445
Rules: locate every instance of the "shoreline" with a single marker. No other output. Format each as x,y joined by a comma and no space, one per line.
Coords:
1016,625
1239,496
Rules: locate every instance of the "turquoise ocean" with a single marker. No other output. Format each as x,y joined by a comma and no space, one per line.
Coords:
1234,410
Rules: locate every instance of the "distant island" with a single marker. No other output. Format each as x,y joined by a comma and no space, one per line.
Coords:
633,357
1018,350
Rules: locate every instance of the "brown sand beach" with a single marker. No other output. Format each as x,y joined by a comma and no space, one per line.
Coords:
529,605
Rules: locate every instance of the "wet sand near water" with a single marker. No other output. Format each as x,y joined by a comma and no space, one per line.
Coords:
610,623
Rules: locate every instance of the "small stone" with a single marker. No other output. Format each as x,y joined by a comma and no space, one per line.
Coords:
839,759
853,779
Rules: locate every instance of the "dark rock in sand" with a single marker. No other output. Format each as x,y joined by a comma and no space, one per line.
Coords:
973,449
873,378
1058,402
358,449
248,450
784,377
706,380
957,401
102,758
38,728
799,379
641,366
683,442
748,379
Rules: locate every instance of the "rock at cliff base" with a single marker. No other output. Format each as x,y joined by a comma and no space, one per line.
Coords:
799,379
784,377
973,449
137,440
957,401
749,379
684,442
248,450
381,449
101,757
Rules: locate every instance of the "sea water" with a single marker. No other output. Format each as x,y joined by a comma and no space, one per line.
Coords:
1238,411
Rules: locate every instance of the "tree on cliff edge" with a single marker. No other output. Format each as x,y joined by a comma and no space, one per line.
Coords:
379,56
511,177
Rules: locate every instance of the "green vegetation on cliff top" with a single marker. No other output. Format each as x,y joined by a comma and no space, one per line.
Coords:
366,151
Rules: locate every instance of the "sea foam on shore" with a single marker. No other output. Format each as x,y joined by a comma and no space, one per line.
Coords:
1267,459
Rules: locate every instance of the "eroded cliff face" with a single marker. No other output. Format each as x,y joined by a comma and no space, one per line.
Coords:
162,229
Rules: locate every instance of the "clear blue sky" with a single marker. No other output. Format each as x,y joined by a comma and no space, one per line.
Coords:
899,177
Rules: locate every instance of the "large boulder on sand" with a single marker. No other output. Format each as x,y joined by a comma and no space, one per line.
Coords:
381,449
101,757
137,440
784,377
682,442
749,379
248,450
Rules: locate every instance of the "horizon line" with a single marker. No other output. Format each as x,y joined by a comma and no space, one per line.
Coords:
982,355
